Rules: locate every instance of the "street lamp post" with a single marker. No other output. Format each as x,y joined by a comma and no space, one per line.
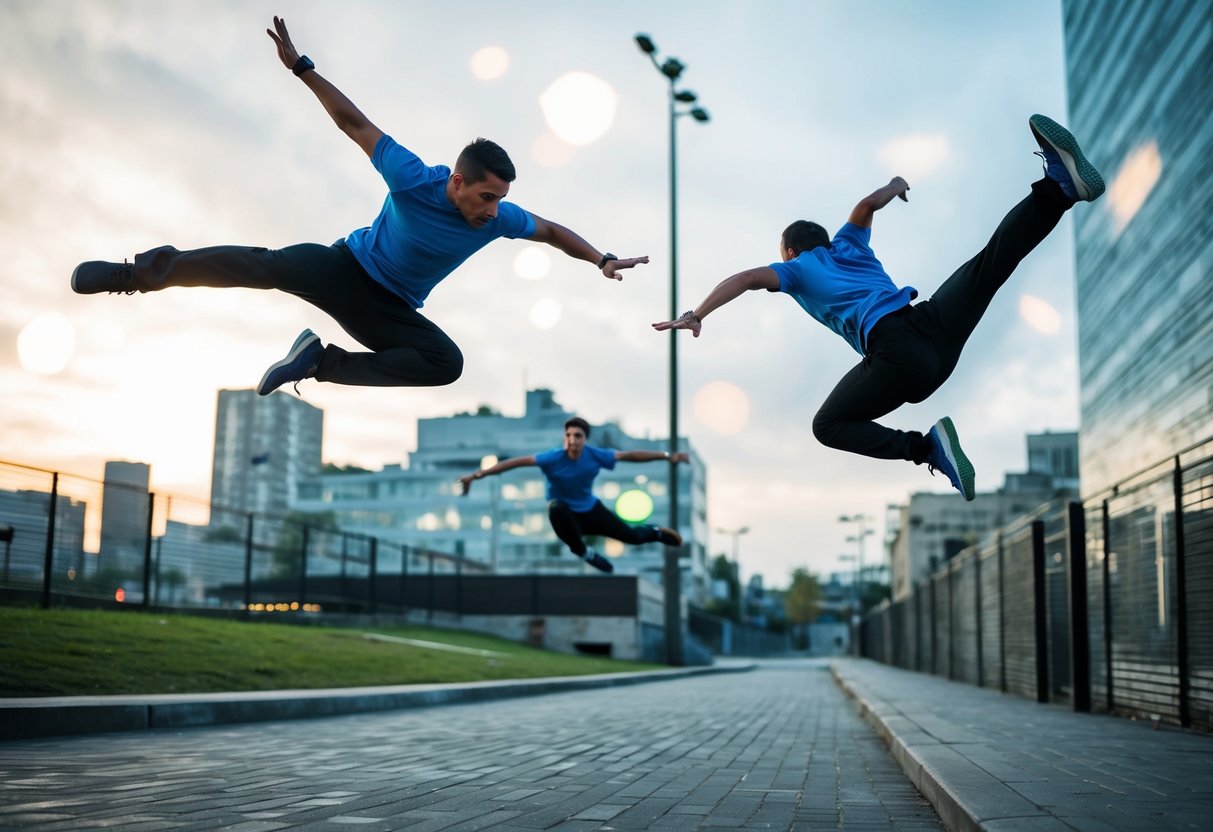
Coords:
672,69
857,538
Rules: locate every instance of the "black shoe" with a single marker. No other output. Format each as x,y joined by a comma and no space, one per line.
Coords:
668,537
598,561
97,276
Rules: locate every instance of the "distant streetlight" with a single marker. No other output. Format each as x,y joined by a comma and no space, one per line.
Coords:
672,69
863,531
736,534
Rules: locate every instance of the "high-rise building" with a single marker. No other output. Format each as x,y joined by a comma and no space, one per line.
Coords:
503,521
124,515
264,447
1140,77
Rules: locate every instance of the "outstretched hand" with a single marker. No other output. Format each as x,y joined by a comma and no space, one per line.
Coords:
465,484
282,39
687,320
902,186
613,266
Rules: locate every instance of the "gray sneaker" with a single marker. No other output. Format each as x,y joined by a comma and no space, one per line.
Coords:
598,561
1064,162
300,363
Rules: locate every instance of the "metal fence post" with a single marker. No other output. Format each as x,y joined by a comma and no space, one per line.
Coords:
1080,636
951,620
458,586
934,627
429,598
248,563
1107,605
977,600
1181,602
303,568
147,551
48,560
404,577
1040,614
374,570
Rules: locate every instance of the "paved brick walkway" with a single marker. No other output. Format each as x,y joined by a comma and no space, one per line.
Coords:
776,748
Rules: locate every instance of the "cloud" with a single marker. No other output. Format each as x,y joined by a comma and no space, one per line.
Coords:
915,157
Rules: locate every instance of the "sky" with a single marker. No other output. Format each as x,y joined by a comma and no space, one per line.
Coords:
129,125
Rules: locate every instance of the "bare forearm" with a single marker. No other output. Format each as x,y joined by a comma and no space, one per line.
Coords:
642,456
571,243
730,289
343,112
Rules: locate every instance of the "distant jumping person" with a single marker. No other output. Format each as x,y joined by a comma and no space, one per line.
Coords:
908,350
373,281
573,509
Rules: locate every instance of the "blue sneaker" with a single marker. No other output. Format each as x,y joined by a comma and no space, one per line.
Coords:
945,455
598,561
300,363
1064,162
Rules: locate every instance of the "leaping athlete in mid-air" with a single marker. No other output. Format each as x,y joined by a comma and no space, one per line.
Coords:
908,350
574,510
373,281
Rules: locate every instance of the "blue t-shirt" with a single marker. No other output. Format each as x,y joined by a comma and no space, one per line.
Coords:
843,286
419,237
571,480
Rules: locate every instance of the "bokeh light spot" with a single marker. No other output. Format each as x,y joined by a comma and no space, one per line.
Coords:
722,407
916,155
1039,314
489,63
545,314
1133,183
634,506
47,344
532,263
579,108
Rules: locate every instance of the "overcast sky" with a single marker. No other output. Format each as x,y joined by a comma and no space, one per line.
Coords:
132,125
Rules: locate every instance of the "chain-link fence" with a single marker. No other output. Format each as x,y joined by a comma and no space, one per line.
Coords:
66,538
1105,604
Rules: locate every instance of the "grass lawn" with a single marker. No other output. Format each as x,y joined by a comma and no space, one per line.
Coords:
66,652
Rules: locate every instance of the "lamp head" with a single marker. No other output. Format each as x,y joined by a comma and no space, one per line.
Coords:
699,114
672,68
646,44
685,96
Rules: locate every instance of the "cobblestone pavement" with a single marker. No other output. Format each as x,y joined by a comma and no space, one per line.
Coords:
777,748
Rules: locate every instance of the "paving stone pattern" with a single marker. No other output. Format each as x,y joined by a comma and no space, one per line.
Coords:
777,748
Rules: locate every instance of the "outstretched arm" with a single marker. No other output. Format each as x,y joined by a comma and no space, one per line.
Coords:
763,277
348,117
504,465
575,246
862,214
651,456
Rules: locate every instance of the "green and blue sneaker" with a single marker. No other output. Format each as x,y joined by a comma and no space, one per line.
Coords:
946,455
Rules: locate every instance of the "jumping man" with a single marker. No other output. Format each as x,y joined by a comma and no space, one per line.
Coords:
373,281
573,508
908,350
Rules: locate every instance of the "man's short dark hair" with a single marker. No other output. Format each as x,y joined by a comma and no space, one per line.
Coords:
803,235
482,157
578,422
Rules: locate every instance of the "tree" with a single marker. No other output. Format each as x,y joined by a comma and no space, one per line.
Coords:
802,602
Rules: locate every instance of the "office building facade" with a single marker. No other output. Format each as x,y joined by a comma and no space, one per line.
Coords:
1140,97
265,446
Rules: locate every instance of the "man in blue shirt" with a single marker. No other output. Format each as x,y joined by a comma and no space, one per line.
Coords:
908,350
573,508
373,281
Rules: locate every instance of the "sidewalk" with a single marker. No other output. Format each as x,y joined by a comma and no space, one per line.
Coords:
994,761
48,716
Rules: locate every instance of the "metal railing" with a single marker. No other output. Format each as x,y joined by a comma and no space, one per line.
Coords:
1104,604
65,538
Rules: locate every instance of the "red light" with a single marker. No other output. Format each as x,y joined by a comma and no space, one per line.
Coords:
120,595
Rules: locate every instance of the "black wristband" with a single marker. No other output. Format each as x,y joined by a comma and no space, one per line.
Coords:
606,258
302,65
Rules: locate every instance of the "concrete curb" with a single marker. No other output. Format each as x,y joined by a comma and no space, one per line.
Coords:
966,797
58,716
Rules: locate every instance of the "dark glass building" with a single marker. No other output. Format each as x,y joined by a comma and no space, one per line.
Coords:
1140,77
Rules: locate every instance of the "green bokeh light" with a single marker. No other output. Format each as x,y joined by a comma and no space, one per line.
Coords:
635,506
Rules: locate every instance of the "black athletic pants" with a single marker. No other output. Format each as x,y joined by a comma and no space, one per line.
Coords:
570,525
912,351
406,350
